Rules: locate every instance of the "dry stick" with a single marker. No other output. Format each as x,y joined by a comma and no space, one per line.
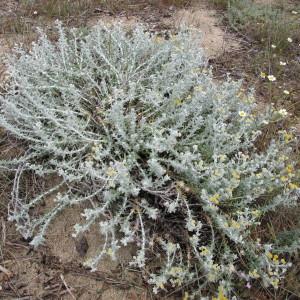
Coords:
17,245
14,289
3,231
3,241
65,284
5,271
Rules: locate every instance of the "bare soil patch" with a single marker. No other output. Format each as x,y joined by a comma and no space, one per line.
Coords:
215,40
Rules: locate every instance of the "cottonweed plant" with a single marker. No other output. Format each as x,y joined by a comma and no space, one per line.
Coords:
160,155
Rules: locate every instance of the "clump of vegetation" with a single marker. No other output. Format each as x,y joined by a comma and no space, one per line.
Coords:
59,8
161,156
270,56
263,22
31,13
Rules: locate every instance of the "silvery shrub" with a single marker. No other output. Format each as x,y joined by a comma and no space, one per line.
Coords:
160,154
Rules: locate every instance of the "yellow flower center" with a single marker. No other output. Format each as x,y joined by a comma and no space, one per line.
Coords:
215,199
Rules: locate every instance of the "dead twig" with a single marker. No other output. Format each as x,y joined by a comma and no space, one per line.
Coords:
6,271
66,286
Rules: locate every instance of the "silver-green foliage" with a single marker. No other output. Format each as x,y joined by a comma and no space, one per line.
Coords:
136,128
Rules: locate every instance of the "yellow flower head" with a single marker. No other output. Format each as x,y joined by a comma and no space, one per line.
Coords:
221,295
293,186
109,252
158,39
234,224
263,75
175,270
178,102
236,175
111,172
254,274
283,158
289,169
275,258
275,283
186,296
256,213
204,251
288,137
215,199
161,286
196,70
222,157
198,88
242,114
